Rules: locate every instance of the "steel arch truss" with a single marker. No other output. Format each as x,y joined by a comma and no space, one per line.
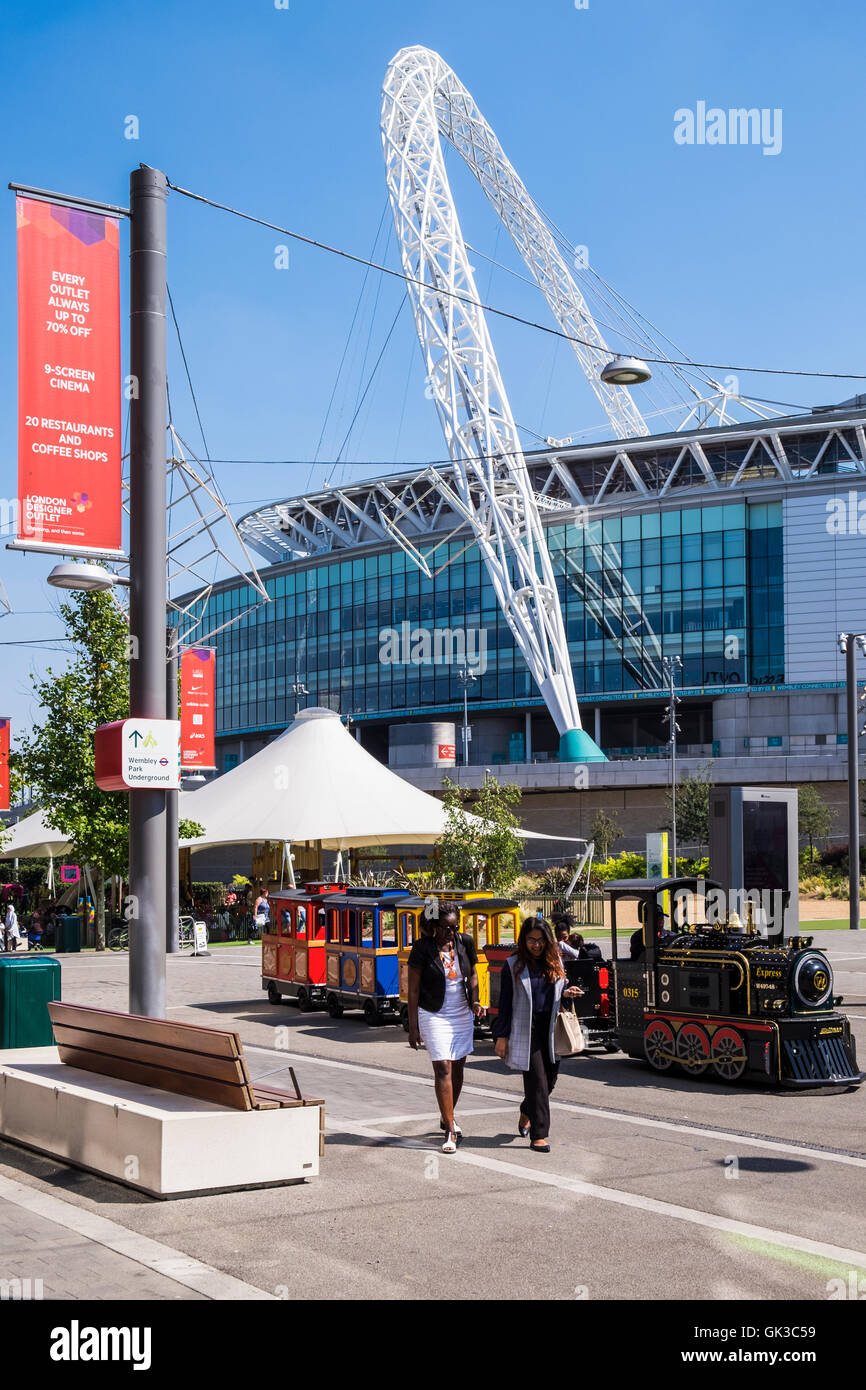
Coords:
423,100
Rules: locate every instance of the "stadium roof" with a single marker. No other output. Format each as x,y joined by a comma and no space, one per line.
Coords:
407,508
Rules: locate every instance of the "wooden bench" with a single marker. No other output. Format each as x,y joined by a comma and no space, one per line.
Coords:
204,1063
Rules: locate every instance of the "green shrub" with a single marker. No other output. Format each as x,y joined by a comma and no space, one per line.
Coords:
214,894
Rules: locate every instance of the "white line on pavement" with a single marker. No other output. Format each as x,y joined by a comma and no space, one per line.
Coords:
576,1107
434,1115
634,1200
162,1259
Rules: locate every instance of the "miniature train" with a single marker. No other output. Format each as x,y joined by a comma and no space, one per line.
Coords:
709,999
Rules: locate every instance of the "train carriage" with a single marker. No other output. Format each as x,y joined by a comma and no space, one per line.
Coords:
361,954
293,945
720,999
488,920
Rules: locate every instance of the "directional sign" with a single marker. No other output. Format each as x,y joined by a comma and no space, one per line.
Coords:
138,753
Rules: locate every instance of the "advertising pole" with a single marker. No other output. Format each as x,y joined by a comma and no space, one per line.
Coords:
172,804
147,572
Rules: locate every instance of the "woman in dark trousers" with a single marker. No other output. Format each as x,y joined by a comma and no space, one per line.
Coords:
443,1006
533,983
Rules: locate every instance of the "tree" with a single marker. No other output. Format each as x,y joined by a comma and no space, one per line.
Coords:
480,849
605,831
814,817
57,759
693,808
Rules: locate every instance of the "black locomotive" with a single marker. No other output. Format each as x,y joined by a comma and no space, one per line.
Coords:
721,998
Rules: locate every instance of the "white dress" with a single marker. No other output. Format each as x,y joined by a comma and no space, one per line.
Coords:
448,1034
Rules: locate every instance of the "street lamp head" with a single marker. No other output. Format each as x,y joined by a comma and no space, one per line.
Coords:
86,578
625,371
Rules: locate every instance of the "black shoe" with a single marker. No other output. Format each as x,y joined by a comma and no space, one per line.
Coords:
540,1148
523,1130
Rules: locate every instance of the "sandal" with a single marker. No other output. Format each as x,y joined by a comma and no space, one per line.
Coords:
522,1128
456,1131
450,1145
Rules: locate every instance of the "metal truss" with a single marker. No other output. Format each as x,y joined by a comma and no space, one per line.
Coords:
421,511
578,484
490,489
201,534
423,100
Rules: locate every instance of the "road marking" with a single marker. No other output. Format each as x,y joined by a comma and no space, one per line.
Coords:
634,1200
152,1254
434,1115
577,1107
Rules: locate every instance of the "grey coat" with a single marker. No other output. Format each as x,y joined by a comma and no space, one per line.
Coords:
517,1057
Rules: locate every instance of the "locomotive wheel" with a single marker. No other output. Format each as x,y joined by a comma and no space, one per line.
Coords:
729,1054
404,1017
274,996
658,1044
693,1049
371,1013
334,1007
304,1001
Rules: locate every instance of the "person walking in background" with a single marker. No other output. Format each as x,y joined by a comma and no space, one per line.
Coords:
443,1005
262,910
11,929
533,984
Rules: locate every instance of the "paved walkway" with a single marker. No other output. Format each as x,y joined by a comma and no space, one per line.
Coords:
639,1183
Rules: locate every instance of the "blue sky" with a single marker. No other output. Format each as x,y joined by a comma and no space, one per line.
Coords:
739,257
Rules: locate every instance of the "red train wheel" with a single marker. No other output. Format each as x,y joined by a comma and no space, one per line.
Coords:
729,1054
658,1044
693,1049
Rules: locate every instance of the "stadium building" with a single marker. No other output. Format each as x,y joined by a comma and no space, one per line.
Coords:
741,550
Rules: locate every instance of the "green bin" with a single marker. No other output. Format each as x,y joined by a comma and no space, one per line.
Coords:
67,933
27,984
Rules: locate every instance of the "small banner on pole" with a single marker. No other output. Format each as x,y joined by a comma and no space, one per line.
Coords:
197,708
69,443
5,729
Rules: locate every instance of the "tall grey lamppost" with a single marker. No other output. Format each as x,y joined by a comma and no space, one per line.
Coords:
848,644
671,665
466,678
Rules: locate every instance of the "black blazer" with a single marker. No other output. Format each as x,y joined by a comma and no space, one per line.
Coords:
424,957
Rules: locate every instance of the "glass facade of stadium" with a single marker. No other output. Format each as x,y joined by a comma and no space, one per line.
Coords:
697,572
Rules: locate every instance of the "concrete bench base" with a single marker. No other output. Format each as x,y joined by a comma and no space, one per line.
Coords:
163,1144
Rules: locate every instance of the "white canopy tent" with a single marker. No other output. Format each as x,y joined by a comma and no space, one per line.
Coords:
35,837
315,783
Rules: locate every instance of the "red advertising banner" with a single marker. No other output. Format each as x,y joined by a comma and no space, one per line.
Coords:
197,708
4,764
69,441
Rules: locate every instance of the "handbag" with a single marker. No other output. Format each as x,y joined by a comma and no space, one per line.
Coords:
568,1036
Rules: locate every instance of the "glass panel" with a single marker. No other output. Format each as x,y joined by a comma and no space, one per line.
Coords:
388,928
286,922
319,929
481,937
366,929
301,928
507,928
333,925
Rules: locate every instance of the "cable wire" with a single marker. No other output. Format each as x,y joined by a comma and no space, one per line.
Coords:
490,308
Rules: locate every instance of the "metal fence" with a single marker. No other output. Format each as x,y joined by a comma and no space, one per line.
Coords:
586,914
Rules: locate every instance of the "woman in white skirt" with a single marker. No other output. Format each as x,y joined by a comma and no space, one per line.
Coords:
443,1005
